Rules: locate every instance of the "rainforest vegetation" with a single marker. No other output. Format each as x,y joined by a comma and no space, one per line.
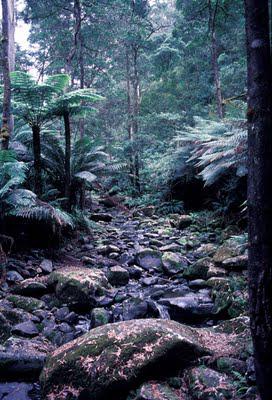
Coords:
135,200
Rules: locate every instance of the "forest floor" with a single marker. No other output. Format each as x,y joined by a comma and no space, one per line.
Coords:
134,265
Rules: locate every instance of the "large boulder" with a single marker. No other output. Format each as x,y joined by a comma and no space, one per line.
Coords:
79,287
112,359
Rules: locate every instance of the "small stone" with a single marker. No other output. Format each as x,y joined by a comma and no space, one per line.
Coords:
236,263
184,221
198,284
173,263
62,313
198,270
65,328
135,272
46,266
204,382
101,217
30,287
87,260
149,259
149,281
26,329
29,304
157,391
99,317
118,276
14,276
15,391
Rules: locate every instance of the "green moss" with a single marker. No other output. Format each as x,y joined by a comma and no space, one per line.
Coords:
29,304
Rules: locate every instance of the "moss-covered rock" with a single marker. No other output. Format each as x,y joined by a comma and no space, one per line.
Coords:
156,391
118,276
173,263
149,259
198,270
112,359
29,304
99,317
78,287
207,384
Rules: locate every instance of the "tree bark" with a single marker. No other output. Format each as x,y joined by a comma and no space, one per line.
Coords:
133,109
259,189
129,115
8,63
217,80
214,54
67,190
36,132
136,113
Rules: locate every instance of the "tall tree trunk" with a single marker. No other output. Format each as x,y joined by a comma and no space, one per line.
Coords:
77,33
133,109
82,81
36,132
8,63
217,80
129,116
67,128
259,189
213,10
136,113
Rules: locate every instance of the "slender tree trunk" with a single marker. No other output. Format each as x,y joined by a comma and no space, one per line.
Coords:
213,10
259,189
67,191
12,23
129,116
7,61
133,109
82,81
135,122
36,131
217,80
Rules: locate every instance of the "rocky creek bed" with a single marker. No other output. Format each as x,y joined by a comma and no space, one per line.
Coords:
145,308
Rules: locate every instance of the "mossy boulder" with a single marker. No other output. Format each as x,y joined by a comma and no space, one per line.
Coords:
149,259
118,276
78,286
29,304
207,384
157,391
173,263
110,360
198,270
224,252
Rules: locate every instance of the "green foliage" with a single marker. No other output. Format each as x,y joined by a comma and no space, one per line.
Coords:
20,202
32,101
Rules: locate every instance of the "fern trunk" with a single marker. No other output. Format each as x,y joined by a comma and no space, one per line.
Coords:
36,132
67,128
259,189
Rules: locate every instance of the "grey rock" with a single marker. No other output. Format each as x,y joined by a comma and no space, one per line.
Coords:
46,266
26,329
14,276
